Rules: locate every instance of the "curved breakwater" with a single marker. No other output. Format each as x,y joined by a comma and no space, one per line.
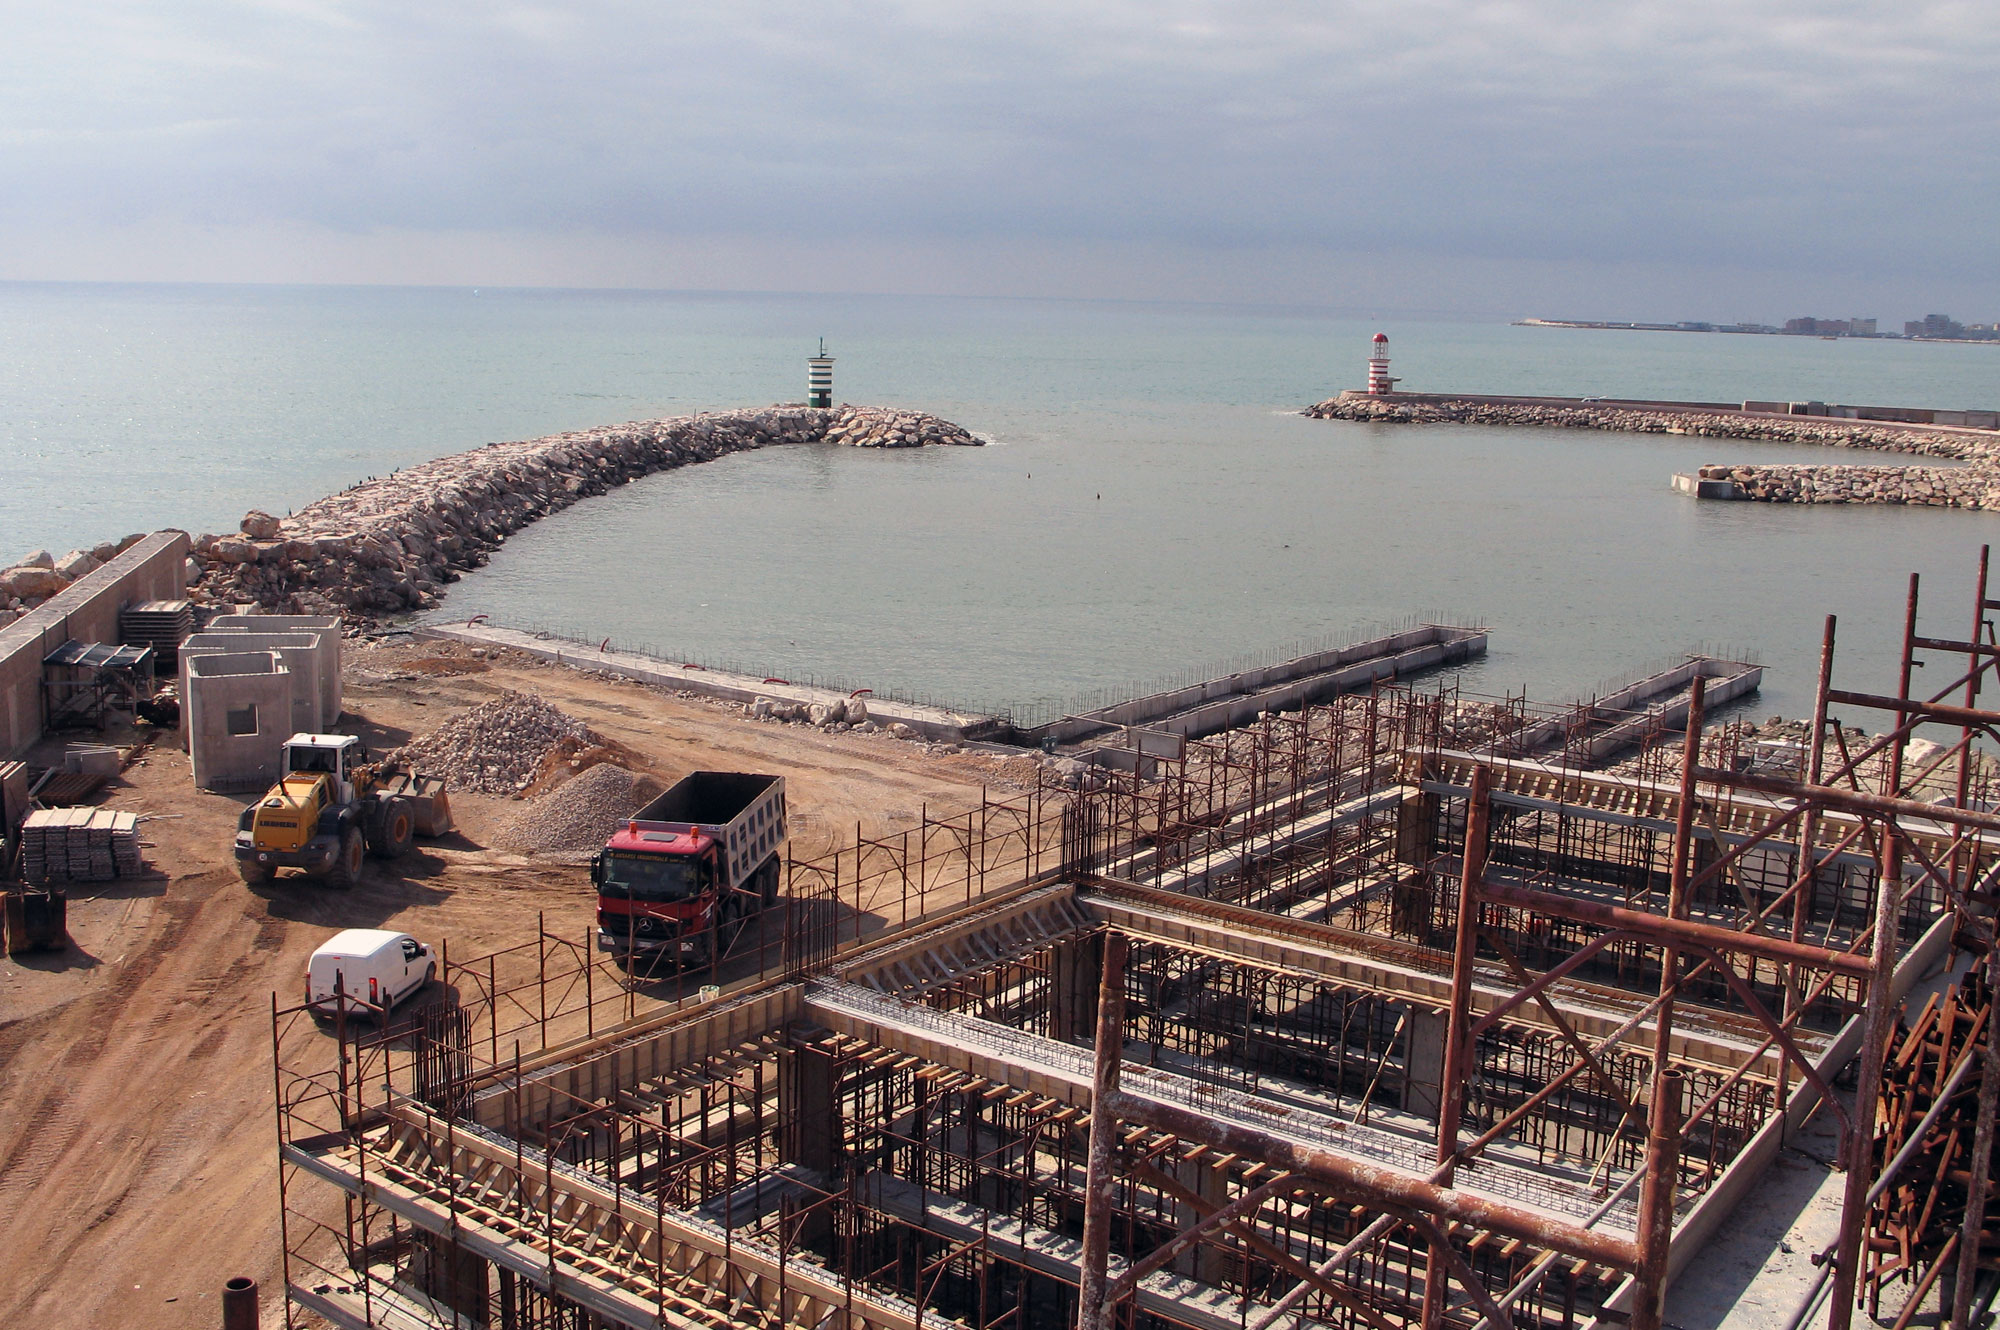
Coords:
390,544
1973,485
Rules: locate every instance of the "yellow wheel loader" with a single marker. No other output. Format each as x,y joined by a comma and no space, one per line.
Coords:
331,807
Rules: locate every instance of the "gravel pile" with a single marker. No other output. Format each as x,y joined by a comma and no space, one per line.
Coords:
495,747
579,814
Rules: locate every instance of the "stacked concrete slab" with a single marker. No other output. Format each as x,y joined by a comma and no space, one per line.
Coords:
237,710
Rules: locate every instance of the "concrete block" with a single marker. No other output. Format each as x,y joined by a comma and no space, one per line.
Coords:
328,626
237,712
306,655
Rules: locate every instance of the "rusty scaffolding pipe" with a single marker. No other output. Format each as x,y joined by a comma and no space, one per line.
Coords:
1100,1185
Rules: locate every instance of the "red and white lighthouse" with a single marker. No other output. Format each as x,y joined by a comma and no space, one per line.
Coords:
1379,381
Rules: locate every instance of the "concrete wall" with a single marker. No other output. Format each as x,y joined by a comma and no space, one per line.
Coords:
328,628
220,686
306,655
153,569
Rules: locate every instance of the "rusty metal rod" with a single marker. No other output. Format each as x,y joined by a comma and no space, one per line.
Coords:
1976,1196
1660,930
1377,1184
1853,801
1100,1186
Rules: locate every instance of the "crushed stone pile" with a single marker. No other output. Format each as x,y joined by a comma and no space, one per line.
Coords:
495,747
580,814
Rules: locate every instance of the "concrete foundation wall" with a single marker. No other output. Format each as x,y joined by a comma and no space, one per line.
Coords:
306,655
153,569
223,693
328,628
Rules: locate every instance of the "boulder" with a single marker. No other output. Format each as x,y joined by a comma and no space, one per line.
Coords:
228,549
38,559
75,564
260,525
106,552
898,730
31,581
855,711
820,713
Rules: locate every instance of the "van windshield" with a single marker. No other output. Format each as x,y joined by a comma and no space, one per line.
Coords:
650,877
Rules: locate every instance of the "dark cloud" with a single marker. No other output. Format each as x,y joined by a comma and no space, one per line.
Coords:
1851,137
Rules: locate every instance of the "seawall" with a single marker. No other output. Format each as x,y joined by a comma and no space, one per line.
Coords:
1973,485
390,544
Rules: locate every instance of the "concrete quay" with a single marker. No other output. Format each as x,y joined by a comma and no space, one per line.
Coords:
929,722
391,543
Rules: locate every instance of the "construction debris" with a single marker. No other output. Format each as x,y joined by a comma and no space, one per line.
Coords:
496,747
579,814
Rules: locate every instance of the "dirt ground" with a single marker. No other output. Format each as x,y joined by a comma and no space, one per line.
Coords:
137,1136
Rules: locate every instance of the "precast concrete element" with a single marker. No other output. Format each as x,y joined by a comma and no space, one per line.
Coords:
154,568
306,655
237,711
326,625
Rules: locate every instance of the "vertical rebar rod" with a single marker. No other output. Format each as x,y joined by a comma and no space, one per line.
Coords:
1451,1093
1858,1149
1973,1229
1656,1192
1100,1184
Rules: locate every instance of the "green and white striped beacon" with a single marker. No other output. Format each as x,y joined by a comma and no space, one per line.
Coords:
819,378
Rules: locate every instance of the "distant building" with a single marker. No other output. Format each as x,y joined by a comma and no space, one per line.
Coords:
1861,327
1819,327
1935,325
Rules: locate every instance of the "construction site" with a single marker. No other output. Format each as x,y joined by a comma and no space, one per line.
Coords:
1393,1008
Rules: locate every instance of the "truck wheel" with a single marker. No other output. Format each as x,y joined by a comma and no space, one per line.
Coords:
396,831
346,870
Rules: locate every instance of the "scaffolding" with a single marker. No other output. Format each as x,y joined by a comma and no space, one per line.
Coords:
1380,1013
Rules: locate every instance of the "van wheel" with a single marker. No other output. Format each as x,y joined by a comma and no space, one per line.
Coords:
346,870
396,830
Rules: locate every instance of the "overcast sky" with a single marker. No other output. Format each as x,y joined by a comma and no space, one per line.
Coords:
1702,158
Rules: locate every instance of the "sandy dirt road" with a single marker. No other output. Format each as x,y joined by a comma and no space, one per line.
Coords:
137,1136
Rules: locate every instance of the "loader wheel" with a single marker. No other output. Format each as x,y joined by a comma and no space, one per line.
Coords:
346,870
397,830
254,873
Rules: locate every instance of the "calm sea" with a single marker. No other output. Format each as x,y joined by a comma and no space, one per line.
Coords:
1150,502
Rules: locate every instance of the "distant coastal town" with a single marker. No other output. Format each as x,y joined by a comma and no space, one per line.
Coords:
1930,328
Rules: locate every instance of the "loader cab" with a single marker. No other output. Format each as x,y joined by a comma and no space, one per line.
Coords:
335,755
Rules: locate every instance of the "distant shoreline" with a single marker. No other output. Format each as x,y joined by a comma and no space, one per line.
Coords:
1747,330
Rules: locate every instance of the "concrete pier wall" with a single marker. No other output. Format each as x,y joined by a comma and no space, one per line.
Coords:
87,611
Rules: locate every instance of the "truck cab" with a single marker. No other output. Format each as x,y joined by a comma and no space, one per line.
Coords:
687,872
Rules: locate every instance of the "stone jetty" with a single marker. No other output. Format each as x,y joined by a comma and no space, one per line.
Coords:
1973,485
390,544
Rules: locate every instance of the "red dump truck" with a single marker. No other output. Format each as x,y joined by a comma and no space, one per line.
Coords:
682,878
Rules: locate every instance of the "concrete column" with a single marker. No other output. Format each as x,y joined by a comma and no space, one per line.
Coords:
807,1080
1075,966
1423,1062
1416,828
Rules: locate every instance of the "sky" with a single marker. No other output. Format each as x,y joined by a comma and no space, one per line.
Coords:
1710,159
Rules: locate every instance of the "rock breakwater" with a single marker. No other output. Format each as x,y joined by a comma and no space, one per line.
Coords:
390,545
1974,485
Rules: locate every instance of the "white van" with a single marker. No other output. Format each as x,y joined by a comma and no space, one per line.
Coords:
376,967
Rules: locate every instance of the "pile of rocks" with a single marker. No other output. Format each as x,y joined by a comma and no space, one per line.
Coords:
41,574
579,814
392,543
1973,486
1927,486
879,427
495,747
851,711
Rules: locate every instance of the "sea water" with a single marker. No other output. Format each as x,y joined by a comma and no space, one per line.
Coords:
1150,501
